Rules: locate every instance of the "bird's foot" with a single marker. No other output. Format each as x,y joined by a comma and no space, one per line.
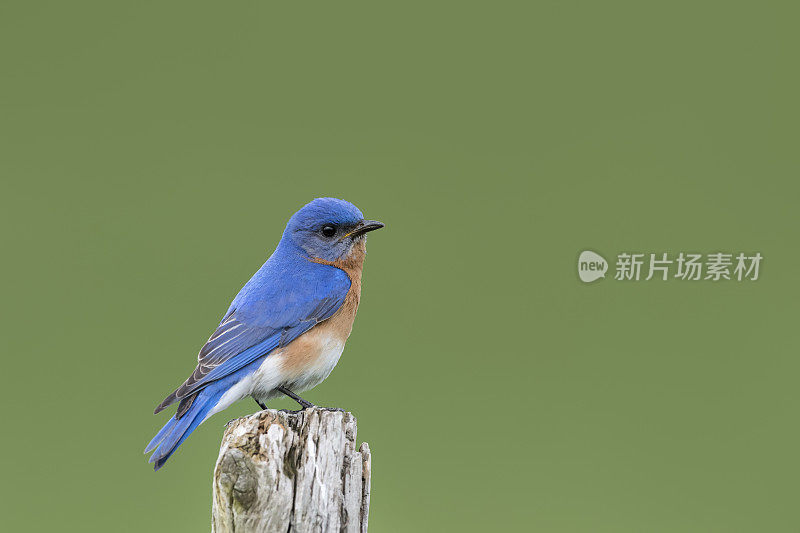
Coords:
305,404
312,406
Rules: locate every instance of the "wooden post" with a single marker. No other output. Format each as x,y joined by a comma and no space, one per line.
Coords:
292,472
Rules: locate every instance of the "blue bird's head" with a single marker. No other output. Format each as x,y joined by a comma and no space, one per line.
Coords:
327,228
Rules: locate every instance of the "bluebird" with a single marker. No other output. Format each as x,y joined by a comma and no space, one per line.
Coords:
285,330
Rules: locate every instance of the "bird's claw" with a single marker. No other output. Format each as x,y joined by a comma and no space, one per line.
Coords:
298,411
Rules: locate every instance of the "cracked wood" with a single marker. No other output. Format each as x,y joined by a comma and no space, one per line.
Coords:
292,472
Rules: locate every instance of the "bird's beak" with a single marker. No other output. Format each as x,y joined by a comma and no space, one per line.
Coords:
365,226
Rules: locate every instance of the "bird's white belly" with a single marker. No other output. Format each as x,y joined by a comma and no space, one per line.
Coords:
330,350
302,365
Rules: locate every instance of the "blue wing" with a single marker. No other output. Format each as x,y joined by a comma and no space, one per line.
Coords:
265,315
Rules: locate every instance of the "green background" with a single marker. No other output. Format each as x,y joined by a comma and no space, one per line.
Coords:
151,153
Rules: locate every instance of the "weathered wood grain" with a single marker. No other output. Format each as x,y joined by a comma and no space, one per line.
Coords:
292,472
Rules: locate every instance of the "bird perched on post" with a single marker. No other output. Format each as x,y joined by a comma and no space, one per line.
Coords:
286,329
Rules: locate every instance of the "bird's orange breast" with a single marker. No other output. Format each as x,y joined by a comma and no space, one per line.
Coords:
314,349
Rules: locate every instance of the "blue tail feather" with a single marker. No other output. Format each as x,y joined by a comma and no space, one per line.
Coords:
160,435
175,431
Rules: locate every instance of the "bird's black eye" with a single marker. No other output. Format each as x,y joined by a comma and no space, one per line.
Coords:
329,231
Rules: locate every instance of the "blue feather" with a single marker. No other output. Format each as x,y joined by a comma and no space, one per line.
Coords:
266,315
178,430
160,435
